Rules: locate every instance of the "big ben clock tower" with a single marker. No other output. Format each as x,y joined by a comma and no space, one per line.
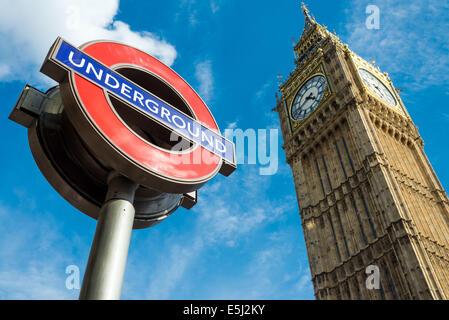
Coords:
370,202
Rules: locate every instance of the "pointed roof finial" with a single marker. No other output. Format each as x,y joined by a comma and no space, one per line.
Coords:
279,79
309,19
306,12
304,9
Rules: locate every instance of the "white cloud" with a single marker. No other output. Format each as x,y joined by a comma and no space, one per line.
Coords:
215,5
270,273
34,283
166,277
188,8
261,93
412,41
34,250
203,74
196,12
222,222
232,125
34,253
28,28
304,282
4,70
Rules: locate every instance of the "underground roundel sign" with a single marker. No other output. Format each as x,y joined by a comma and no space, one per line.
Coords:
138,116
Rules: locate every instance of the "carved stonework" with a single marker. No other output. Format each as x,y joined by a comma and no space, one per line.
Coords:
366,191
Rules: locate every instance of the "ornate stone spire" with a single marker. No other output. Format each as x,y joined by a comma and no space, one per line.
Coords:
304,8
309,19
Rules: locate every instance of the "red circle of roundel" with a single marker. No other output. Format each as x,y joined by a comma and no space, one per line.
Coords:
155,159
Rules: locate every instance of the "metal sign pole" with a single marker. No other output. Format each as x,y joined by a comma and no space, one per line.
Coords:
86,122
107,259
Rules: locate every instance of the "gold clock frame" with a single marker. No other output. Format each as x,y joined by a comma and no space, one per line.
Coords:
357,63
328,94
367,88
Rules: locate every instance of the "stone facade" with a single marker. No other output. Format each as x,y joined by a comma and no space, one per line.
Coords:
367,193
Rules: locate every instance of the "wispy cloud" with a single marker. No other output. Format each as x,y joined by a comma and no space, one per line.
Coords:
28,28
215,5
270,273
265,263
262,92
33,254
167,275
204,76
194,10
232,125
223,223
191,9
412,41
4,70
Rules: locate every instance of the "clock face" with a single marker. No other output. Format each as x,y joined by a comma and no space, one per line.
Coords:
377,87
308,97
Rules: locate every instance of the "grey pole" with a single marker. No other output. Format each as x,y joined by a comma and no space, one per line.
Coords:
107,259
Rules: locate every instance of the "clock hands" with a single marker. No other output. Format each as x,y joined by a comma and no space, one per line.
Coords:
377,87
372,83
379,91
310,97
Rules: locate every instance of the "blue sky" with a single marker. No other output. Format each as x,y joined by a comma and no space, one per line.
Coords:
243,240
